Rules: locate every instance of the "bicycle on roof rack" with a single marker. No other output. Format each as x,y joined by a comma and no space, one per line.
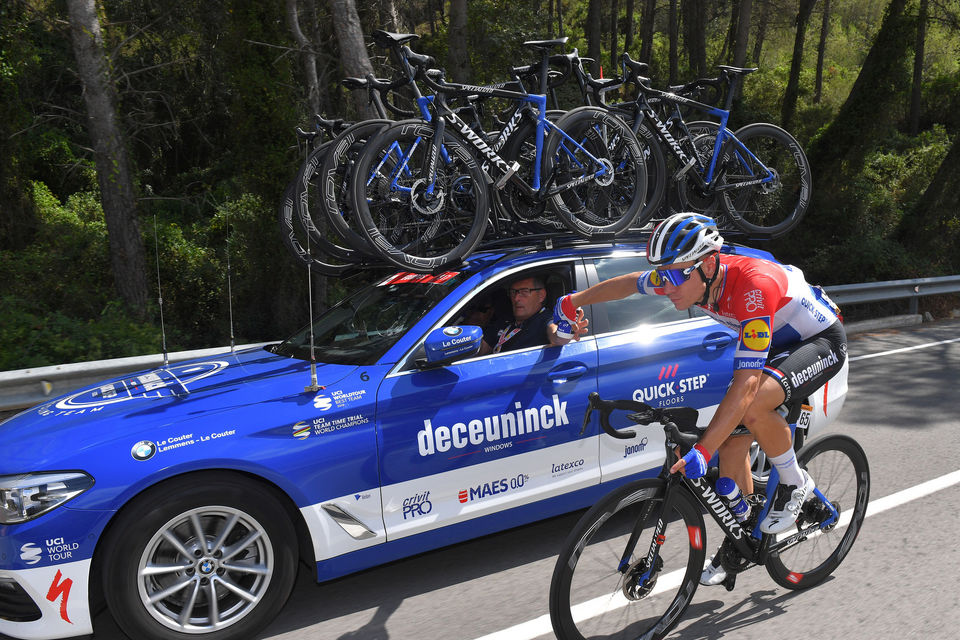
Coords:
631,565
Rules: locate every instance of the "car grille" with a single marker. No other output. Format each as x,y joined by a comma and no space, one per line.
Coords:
15,604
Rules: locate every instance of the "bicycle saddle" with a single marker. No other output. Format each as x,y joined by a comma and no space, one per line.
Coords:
386,39
546,44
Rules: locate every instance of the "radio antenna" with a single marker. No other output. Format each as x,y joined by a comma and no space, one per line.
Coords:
313,386
229,287
163,332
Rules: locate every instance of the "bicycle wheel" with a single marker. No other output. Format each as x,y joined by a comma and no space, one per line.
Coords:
333,182
609,203
591,598
301,244
527,214
406,223
686,193
839,467
776,206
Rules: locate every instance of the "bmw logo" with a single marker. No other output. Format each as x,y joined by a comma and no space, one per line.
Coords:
143,450
452,331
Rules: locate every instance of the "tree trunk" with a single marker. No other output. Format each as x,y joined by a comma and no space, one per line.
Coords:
391,18
743,33
594,34
694,23
793,83
628,27
112,162
559,18
917,87
821,51
353,51
614,10
646,29
457,43
761,31
674,30
308,56
729,42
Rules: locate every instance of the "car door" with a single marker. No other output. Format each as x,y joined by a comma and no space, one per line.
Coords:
651,352
486,433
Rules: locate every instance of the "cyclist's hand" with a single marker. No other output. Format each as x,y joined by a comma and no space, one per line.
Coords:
694,464
567,331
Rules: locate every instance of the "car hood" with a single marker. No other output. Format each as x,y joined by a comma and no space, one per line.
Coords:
120,409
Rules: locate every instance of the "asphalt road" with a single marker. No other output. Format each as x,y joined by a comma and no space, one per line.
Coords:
897,582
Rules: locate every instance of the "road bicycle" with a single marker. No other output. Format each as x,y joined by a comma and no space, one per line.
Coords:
430,208
632,564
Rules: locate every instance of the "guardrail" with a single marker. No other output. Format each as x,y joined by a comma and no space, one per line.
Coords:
27,387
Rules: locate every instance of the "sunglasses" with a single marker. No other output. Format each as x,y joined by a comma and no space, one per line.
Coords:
677,277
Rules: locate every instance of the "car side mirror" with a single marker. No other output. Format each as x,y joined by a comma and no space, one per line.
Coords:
447,344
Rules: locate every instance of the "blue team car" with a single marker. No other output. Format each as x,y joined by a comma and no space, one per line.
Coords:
184,497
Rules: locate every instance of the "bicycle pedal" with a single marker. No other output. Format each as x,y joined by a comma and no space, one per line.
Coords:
509,174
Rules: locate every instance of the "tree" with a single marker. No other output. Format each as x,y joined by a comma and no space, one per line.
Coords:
793,82
695,35
647,28
744,15
110,155
821,51
308,56
917,87
761,30
614,10
628,26
457,42
674,31
594,34
353,52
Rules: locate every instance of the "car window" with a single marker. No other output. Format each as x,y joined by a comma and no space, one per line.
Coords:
361,328
637,309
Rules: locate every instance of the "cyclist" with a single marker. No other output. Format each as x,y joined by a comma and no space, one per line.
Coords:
790,343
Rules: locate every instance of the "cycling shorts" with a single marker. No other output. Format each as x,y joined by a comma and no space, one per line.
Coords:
804,367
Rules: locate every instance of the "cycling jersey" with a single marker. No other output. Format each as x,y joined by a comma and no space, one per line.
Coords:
771,306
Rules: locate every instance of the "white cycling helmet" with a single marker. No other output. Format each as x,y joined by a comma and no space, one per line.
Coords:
683,237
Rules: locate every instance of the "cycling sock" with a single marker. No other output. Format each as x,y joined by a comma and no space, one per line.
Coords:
787,467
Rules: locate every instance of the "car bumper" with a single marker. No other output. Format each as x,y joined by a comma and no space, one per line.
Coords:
46,602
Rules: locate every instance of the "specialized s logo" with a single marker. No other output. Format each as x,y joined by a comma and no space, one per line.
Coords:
755,334
58,589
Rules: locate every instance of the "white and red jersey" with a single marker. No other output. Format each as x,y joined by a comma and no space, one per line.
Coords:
771,305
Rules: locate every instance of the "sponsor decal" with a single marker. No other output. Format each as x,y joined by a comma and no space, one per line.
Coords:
635,448
670,392
361,496
565,468
160,383
492,428
338,399
301,430
809,305
418,505
496,487
143,450
322,426
452,331
60,589
656,280
404,277
753,300
755,334
31,553
808,373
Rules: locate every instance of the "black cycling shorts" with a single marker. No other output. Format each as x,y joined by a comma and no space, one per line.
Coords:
804,367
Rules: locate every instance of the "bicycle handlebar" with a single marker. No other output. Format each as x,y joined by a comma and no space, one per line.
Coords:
643,414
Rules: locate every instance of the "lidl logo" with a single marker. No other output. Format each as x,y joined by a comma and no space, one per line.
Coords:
755,334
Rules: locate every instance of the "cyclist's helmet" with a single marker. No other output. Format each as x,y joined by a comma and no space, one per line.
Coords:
683,237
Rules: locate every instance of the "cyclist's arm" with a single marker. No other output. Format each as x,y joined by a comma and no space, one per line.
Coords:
612,289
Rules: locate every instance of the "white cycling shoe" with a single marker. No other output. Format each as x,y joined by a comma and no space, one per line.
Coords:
713,573
787,502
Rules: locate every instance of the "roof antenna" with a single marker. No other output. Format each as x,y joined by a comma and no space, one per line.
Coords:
313,386
229,287
163,332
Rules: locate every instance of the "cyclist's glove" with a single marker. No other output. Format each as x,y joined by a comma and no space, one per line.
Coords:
695,462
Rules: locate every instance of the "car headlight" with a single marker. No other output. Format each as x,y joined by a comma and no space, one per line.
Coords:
26,496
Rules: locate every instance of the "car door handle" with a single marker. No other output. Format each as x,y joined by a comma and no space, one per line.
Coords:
559,376
716,343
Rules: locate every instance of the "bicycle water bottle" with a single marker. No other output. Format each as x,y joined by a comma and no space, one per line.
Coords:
727,488
564,330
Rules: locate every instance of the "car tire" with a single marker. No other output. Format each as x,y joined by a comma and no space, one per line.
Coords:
192,542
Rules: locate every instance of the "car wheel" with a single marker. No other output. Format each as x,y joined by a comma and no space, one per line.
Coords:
210,556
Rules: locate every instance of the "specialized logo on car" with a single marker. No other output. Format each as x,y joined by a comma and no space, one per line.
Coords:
418,505
670,391
494,488
60,589
493,428
755,334
143,450
160,383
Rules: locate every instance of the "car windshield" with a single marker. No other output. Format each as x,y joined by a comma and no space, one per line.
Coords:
361,328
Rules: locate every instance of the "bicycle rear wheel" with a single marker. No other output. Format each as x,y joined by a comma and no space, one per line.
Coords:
839,467
406,223
608,203
591,597
777,205
302,243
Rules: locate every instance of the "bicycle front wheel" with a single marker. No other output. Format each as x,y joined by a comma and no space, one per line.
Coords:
418,220
592,202
839,467
775,205
598,591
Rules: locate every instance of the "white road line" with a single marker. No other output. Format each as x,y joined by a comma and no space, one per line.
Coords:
887,353
541,626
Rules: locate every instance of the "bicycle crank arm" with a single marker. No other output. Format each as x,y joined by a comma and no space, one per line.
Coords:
502,181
